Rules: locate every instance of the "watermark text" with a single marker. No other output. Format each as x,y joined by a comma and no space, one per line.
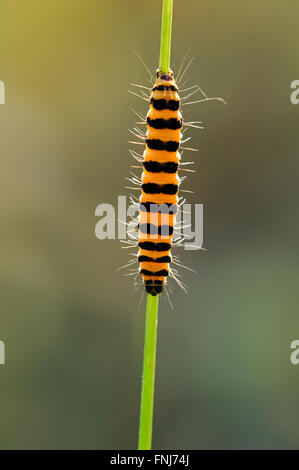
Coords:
294,358
2,353
183,222
2,92
295,94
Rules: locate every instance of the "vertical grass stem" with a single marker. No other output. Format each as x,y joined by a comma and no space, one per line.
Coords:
151,322
166,28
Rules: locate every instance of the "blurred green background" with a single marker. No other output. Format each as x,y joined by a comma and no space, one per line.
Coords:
70,322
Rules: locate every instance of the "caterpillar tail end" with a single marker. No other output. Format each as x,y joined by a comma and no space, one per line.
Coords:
153,289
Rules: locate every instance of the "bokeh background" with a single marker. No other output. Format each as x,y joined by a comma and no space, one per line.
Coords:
71,324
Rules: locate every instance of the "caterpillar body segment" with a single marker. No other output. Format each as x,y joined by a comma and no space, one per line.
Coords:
159,183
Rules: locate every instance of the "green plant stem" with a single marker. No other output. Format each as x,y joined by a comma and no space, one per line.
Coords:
151,322
148,376
166,35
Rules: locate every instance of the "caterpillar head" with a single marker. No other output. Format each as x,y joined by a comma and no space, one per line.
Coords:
164,77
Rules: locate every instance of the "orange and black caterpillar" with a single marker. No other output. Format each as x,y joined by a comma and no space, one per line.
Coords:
158,203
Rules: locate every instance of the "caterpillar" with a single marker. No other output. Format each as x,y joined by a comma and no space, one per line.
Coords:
158,202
